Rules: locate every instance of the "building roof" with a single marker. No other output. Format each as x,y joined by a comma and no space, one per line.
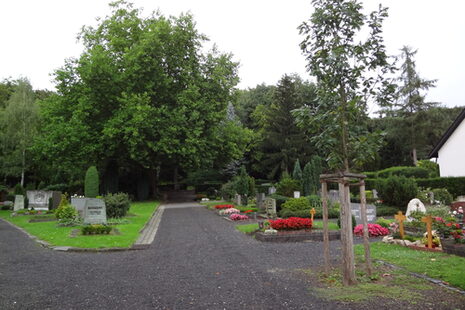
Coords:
449,132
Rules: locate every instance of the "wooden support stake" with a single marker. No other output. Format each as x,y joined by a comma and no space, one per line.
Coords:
429,222
401,218
324,193
366,243
348,260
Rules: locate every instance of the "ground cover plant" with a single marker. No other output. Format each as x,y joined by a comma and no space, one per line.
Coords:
437,265
60,236
250,228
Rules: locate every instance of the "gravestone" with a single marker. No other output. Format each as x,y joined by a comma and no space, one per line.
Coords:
296,194
237,200
79,203
261,201
356,212
375,194
333,195
56,199
95,211
39,199
19,202
271,190
270,207
414,205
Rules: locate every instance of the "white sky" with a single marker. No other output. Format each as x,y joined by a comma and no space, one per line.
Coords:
36,36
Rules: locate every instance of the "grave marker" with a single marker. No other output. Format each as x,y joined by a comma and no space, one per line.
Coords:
95,211
270,207
296,194
400,218
39,199
429,222
271,190
355,208
19,202
79,203
312,213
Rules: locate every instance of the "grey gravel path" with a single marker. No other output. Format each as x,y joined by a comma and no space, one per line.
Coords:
197,261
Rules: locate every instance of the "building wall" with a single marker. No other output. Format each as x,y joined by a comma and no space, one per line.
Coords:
451,157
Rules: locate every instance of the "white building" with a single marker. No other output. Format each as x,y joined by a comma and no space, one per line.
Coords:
450,151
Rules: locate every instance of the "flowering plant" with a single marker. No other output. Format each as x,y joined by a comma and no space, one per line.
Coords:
248,211
447,228
374,230
238,217
229,211
219,207
393,227
292,223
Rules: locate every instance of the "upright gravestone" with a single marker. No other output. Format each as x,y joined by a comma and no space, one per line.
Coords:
38,200
261,201
356,212
79,203
95,211
19,202
333,195
375,194
271,190
296,194
270,207
237,200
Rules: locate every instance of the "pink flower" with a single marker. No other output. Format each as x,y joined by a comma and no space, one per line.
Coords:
374,230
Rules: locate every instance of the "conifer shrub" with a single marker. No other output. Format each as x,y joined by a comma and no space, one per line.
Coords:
91,183
117,205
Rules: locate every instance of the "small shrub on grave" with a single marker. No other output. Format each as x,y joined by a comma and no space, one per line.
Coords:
96,229
117,205
65,211
292,223
383,222
296,204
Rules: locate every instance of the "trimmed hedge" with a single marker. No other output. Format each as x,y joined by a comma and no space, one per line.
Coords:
406,171
455,185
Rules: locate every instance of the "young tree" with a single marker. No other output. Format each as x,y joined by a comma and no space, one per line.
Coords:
19,123
349,73
297,172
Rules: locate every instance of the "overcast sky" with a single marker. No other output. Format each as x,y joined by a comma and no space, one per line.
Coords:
37,36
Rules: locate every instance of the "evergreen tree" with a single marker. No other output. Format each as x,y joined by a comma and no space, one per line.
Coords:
316,170
297,173
307,179
91,183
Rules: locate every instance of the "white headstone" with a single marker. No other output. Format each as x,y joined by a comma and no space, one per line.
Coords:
39,199
271,190
19,202
375,193
296,194
95,211
414,205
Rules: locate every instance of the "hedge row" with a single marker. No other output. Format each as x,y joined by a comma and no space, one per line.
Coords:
406,171
455,185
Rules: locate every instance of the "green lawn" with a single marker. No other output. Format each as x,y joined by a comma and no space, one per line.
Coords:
250,228
60,236
445,267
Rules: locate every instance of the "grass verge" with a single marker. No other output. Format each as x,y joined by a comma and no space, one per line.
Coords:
437,265
60,236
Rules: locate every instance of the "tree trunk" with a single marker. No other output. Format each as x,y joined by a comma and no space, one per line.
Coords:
414,156
175,178
23,167
154,176
347,241
344,129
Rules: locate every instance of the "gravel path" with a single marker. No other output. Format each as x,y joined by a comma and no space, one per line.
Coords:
197,261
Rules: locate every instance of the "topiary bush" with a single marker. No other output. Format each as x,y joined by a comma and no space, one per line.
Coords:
91,182
397,191
117,205
65,211
314,201
296,204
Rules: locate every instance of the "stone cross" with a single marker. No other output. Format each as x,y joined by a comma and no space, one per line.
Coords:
401,218
312,213
429,222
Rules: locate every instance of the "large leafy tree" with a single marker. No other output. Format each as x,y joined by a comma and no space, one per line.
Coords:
18,123
350,74
143,94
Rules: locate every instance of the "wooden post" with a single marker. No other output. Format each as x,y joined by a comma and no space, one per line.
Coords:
366,243
348,260
324,194
312,214
401,218
429,222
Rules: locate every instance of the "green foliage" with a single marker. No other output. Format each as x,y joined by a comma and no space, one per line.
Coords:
354,222
287,186
297,172
296,204
228,190
244,184
409,172
397,191
383,222
348,72
19,190
96,229
431,166
117,205
455,185
386,211
442,195
91,182
317,169
279,199
65,211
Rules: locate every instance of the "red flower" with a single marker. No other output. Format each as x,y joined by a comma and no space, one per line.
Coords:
292,223
223,206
